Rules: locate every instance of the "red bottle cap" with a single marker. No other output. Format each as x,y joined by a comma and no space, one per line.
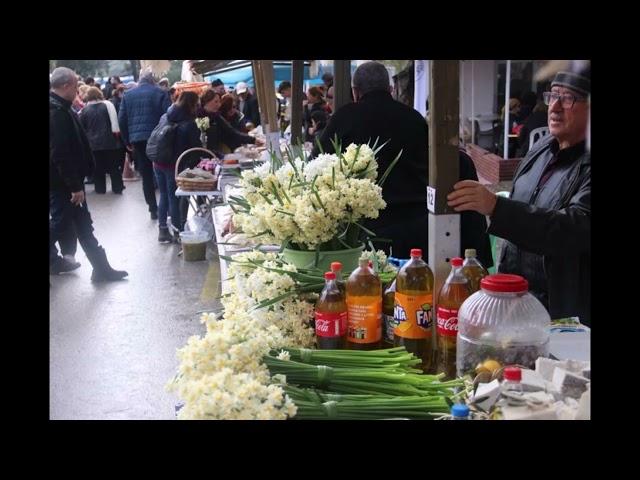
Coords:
504,282
329,276
416,252
513,374
456,262
336,266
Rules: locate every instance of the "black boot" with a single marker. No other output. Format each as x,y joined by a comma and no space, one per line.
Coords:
62,265
102,271
164,236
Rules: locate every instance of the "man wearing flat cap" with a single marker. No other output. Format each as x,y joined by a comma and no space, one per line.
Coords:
248,104
546,221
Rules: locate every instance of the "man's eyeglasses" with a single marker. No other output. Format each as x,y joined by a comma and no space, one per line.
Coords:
566,99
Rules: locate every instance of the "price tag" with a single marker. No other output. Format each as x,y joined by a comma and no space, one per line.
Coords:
431,199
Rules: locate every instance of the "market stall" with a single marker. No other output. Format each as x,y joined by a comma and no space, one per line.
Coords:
259,358
492,352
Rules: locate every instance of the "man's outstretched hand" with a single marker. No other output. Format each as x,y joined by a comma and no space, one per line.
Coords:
472,195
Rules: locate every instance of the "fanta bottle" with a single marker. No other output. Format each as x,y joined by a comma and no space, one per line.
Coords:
413,309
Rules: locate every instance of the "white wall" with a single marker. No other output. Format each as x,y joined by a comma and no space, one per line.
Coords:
485,87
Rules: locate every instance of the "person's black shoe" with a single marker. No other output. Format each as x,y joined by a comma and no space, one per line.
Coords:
62,265
164,236
102,271
154,215
107,275
72,260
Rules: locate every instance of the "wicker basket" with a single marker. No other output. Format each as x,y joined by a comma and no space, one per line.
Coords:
197,87
195,184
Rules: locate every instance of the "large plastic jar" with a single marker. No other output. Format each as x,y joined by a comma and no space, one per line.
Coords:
502,322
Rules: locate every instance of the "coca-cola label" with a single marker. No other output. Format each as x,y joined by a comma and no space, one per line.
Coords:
331,324
447,321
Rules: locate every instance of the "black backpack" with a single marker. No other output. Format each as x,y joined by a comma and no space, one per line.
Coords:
160,146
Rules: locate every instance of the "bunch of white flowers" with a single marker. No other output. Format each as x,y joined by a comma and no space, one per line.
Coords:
308,204
221,375
381,257
203,123
228,395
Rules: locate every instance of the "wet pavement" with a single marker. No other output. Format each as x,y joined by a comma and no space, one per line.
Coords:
113,345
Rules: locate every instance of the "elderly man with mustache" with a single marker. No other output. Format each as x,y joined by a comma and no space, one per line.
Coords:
546,222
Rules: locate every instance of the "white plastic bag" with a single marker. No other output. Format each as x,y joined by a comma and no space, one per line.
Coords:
201,227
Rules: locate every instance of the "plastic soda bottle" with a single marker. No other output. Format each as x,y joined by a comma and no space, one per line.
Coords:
364,304
454,291
473,269
413,309
331,315
336,267
388,322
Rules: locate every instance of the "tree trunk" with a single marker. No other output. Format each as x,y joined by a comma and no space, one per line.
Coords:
135,69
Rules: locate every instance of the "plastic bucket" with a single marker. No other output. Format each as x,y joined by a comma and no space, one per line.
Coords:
194,246
307,258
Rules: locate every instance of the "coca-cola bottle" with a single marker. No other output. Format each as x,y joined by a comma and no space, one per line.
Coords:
454,291
336,267
331,316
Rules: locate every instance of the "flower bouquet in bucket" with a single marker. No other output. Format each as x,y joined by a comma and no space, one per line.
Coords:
314,209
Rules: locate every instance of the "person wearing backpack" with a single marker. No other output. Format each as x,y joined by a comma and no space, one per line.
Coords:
140,109
175,133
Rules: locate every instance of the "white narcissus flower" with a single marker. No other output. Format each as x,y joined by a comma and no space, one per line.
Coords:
221,375
202,123
284,355
310,203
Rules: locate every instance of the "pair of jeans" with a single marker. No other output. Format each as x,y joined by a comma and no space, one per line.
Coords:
108,162
67,217
168,201
145,167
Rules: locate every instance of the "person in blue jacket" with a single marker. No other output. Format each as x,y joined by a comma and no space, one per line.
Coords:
140,112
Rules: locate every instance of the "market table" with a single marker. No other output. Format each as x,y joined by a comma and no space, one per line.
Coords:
210,198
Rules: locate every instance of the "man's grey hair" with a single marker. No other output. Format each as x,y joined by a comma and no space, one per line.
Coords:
146,75
371,76
61,76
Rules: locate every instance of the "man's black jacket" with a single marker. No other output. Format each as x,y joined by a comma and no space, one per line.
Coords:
549,228
405,219
70,157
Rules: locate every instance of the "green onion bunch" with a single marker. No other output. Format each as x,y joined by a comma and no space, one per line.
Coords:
396,360
360,377
317,405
